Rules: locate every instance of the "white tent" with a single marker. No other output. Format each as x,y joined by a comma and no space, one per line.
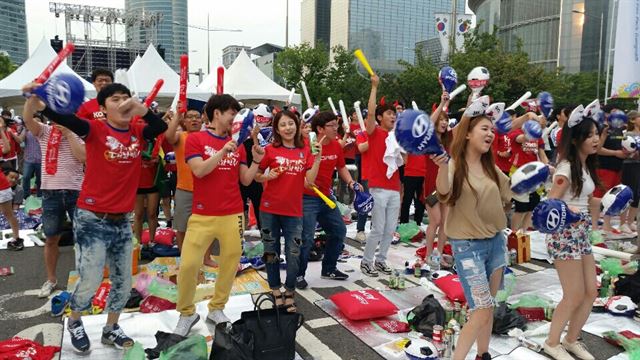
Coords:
245,81
41,57
144,73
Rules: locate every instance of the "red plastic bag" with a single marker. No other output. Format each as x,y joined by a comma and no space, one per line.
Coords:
164,236
363,304
100,298
451,287
393,326
19,348
422,251
154,304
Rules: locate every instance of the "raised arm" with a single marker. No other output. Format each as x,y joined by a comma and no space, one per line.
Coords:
370,122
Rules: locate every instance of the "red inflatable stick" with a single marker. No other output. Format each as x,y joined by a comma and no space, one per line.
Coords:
220,88
184,74
46,73
153,93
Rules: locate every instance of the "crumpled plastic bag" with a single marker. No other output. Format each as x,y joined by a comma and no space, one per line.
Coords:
509,286
612,265
135,353
164,341
193,348
407,231
505,319
531,301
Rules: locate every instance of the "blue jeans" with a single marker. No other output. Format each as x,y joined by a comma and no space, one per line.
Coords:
274,226
362,218
476,260
29,170
315,210
56,205
99,242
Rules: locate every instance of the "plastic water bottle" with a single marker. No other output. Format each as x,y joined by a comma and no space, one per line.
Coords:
434,260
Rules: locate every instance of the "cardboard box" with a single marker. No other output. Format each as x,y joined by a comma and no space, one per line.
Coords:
522,243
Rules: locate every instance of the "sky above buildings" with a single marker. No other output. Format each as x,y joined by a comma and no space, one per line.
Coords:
261,21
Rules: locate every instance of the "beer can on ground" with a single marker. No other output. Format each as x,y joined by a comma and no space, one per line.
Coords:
437,333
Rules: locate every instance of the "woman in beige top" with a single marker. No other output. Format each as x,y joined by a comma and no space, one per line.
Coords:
475,191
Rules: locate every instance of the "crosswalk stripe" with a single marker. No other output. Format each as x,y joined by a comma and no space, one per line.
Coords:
518,272
531,266
314,346
321,322
310,295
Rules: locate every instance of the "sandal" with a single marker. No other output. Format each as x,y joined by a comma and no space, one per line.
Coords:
278,299
290,306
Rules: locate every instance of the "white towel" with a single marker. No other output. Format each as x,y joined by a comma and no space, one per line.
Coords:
392,155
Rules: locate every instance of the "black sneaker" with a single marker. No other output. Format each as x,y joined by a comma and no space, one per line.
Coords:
15,245
368,269
334,275
116,337
383,268
301,283
79,338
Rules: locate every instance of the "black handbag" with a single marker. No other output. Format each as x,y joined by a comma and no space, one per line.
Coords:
232,342
273,330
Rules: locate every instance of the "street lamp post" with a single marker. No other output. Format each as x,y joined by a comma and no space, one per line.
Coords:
601,17
208,30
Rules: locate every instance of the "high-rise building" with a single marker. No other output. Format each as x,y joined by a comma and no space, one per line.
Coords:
267,54
172,34
570,34
13,27
231,52
385,30
316,21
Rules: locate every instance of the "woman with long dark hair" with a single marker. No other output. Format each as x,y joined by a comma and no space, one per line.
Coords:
574,181
290,163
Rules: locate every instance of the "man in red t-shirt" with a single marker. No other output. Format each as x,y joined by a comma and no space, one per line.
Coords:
524,150
90,110
325,124
385,190
101,226
218,166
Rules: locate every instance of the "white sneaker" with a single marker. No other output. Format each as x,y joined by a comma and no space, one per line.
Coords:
361,237
185,323
46,289
557,352
625,229
217,317
578,348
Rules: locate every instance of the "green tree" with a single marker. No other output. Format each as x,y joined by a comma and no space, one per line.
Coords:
303,62
343,81
6,66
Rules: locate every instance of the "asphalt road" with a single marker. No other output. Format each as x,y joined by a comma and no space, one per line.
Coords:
26,314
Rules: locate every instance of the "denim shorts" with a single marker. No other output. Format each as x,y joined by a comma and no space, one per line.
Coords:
56,205
101,242
475,261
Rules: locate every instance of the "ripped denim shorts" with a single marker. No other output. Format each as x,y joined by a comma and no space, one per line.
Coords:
475,261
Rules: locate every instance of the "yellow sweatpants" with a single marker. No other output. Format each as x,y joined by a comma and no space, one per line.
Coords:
201,231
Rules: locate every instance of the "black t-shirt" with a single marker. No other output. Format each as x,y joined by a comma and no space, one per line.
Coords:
613,142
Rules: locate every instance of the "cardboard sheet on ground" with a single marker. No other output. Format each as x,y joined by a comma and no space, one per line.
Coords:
26,235
142,328
247,282
386,344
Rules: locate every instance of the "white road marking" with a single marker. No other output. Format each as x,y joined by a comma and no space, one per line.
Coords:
321,322
314,346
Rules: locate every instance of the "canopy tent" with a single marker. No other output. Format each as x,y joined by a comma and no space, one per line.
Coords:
144,73
10,86
244,81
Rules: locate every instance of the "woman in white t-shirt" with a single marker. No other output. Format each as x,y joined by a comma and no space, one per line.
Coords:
574,182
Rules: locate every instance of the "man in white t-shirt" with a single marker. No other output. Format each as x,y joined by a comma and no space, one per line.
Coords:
63,156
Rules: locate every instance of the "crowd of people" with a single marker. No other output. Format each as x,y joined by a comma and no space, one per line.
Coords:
96,167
